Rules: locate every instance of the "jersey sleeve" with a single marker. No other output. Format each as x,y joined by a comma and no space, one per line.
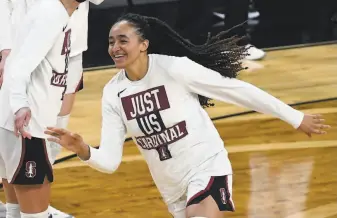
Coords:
42,25
108,156
75,74
203,81
5,25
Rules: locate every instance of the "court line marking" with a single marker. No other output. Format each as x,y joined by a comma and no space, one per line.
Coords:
230,149
259,116
323,211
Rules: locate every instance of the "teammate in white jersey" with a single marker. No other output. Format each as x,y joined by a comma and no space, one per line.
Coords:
157,98
78,46
35,81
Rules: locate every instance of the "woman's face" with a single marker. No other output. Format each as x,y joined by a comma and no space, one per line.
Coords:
125,45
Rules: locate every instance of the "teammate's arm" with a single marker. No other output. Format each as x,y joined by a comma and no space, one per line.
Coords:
206,82
109,155
38,34
37,41
34,38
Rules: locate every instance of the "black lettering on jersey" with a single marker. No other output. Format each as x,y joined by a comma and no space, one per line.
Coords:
145,107
60,79
167,136
144,103
151,123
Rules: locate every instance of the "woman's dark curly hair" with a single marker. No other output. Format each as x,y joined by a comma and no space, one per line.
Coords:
219,53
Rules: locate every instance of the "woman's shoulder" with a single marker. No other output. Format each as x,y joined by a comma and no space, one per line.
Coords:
169,63
112,87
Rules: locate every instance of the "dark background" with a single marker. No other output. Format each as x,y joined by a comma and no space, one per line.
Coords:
281,22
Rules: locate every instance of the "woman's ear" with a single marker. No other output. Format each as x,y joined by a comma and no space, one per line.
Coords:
144,45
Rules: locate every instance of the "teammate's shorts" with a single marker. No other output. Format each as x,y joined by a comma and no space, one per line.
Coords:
204,184
24,161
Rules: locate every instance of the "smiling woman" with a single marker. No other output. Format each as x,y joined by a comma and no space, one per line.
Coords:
157,98
133,37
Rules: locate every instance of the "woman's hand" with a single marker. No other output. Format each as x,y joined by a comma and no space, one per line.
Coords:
71,141
22,118
313,124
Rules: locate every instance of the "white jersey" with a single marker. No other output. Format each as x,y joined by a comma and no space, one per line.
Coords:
79,35
163,115
36,71
5,25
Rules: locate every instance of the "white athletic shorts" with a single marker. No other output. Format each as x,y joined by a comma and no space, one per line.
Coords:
25,161
204,184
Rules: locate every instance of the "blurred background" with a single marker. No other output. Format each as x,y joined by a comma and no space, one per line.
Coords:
270,23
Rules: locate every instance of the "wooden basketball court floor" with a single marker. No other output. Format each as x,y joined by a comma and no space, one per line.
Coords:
278,171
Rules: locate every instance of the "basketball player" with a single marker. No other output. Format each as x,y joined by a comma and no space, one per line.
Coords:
36,80
158,97
78,46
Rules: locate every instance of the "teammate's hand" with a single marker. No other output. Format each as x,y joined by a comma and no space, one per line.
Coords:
313,124
22,118
71,141
4,55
